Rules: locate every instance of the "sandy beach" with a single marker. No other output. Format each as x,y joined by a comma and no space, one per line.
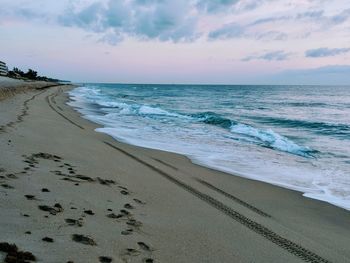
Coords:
70,194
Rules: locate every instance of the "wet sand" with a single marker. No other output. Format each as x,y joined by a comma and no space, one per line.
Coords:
70,194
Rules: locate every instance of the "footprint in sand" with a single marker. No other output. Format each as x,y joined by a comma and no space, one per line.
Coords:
30,197
134,223
131,252
47,239
7,186
13,254
106,181
114,216
89,212
83,240
125,212
57,208
104,259
74,222
11,176
127,232
144,246
128,206
139,201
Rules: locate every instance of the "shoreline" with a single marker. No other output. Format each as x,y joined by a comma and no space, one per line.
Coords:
184,212
306,189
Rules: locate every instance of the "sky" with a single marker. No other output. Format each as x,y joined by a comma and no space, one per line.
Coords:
180,41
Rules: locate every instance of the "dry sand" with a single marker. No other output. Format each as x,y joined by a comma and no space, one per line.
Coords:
70,194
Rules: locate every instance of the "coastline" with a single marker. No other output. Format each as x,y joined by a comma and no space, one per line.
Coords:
184,212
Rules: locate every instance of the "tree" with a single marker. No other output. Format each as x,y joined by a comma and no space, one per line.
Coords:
18,71
31,74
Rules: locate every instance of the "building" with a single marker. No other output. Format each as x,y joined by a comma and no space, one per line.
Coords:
3,69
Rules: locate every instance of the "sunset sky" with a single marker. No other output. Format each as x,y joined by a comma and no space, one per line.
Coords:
180,41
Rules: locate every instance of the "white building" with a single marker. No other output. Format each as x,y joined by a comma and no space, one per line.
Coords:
3,69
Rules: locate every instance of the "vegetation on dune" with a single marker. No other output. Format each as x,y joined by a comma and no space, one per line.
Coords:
30,74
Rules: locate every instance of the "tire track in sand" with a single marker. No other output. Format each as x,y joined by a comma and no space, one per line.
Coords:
288,245
48,99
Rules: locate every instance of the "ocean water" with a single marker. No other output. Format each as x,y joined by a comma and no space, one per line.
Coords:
297,137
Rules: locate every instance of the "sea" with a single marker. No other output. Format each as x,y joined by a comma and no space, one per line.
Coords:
297,137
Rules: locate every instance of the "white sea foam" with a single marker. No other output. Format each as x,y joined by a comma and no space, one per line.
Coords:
144,109
272,138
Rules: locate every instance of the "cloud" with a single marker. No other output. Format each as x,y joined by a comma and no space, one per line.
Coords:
271,35
185,20
315,14
164,20
278,55
325,52
87,18
231,30
235,30
248,5
21,13
39,10
339,18
307,15
167,20
214,6
271,19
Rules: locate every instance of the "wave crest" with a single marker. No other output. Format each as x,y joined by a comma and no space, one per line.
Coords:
267,138
213,118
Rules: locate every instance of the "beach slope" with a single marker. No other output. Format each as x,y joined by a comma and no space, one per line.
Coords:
70,194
